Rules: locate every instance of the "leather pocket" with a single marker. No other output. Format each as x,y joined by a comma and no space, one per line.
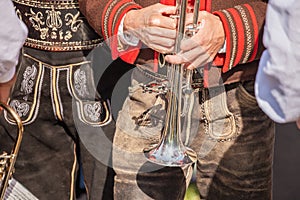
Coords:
246,94
26,94
92,110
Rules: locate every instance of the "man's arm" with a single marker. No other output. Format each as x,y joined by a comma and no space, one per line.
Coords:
277,87
105,17
150,24
242,27
12,37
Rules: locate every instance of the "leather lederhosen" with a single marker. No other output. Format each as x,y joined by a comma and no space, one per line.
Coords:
68,126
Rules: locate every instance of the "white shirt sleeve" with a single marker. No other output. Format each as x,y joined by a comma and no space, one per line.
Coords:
12,37
223,49
126,38
277,85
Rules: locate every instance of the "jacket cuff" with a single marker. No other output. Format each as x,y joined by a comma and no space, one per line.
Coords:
241,32
111,19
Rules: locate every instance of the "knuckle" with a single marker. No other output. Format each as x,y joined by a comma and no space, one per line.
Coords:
170,43
153,20
200,42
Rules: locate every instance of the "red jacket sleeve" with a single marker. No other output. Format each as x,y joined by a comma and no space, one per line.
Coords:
105,17
243,25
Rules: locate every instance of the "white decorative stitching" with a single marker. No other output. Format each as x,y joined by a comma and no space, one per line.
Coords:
21,108
93,110
106,16
80,82
29,76
234,38
249,43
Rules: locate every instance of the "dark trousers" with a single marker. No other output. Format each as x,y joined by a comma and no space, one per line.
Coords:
231,135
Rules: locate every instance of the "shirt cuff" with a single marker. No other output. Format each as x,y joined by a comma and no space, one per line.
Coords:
223,49
126,39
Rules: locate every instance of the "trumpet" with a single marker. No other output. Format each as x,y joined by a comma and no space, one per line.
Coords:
7,161
171,151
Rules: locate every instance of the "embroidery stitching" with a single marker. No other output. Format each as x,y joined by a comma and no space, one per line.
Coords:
106,16
93,111
80,82
20,108
27,83
248,33
53,24
234,36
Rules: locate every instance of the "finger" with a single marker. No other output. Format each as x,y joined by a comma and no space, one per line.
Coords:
162,17
161,49
196,57
197,63
188,44
189,18
159,37
175,59
165,42
162,21
166,10
193,54
189,64
161,32
180,58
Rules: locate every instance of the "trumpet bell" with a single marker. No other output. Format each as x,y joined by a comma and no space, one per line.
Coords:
170,151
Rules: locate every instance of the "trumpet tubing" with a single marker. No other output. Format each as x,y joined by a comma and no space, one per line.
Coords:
171,151
7,161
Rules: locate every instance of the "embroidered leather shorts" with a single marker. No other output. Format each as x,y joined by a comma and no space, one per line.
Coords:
38,79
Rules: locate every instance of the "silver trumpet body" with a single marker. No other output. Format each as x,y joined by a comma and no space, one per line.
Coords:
171,151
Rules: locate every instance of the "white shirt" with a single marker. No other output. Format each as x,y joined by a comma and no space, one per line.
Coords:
277,84
13,33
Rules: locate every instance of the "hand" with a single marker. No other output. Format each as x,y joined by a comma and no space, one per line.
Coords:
153,26
201,48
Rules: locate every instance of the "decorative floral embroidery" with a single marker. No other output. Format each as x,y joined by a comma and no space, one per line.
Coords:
80,82
29,76
53,21
21,108
93,111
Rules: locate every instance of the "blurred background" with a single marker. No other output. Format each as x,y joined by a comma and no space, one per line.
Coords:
286,184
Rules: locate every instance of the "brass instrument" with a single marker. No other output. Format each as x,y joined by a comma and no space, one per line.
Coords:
171,151
7,161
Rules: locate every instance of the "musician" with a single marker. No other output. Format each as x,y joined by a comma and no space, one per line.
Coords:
233,138
11,40
65,151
